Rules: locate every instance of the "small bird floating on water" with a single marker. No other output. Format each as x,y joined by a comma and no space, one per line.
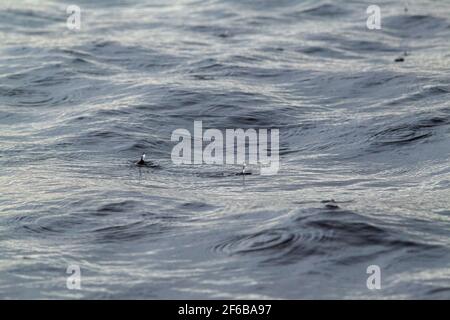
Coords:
141,162
330,204
243,172
401,58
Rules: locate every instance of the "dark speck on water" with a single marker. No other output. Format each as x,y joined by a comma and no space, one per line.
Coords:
78,108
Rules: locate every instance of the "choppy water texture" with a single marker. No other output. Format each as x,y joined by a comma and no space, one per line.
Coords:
365,170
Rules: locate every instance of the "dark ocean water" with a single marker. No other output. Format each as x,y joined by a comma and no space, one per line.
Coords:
364,149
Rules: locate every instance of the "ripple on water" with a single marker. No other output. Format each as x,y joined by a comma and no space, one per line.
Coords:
317,234
270,241
409,132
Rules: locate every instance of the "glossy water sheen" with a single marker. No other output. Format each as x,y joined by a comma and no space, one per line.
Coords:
77,109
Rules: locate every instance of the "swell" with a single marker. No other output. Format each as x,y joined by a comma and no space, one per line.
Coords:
315,233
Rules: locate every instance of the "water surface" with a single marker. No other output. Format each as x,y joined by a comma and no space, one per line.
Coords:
364,149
